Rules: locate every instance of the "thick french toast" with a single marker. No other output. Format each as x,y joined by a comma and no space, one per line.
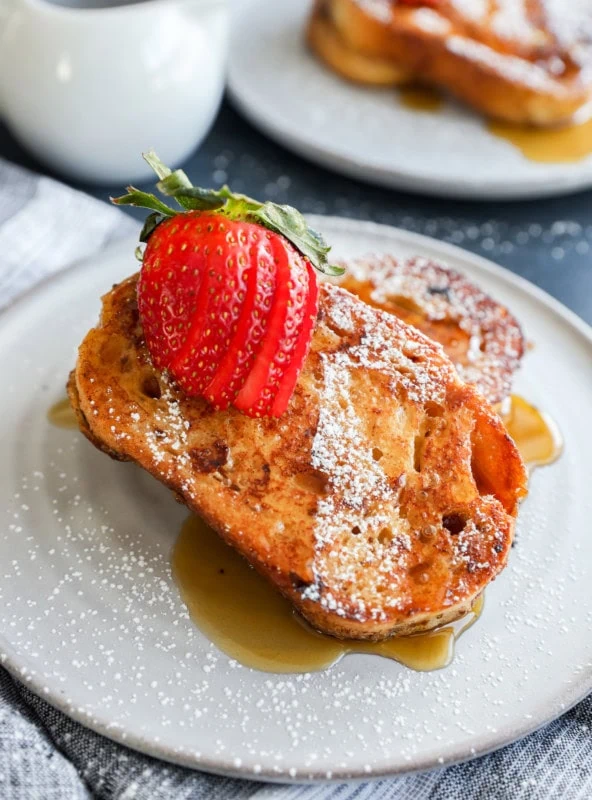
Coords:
382,502
521,61
479,335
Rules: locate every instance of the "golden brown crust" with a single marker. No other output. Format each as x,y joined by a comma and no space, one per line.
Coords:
480,336
514,62
325,40
362,503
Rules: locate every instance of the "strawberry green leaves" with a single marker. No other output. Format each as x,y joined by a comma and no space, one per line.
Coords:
135,197
281,219
290,223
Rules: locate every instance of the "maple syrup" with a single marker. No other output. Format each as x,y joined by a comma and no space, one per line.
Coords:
420,98
62,415
250,621
536,435
561,145
549,145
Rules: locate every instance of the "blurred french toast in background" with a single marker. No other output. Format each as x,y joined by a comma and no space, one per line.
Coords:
523,61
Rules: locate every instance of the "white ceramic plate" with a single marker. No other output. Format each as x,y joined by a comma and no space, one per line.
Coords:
91,620
365,132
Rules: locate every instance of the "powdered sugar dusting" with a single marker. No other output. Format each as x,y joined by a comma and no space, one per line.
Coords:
512,68
545,44
430,21
380,9
475,10
510,20
365,484
495,342
369,560
571,25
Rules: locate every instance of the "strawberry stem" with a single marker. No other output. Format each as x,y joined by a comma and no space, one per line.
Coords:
154,161
281,219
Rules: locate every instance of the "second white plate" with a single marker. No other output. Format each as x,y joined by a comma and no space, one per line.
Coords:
366,133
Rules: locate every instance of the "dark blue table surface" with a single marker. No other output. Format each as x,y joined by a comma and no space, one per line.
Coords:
547,241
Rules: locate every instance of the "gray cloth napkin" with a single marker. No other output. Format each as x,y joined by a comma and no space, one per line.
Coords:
44,227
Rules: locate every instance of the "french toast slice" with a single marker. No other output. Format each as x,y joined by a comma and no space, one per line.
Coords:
480,336
525,61
381,503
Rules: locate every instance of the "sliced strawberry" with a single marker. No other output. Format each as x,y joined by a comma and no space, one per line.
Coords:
237,362
225,251
300,351
167,294
226,295
293,324
258,393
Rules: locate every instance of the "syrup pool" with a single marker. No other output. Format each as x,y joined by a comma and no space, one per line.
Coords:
61,414
420,98
561,145
536,435
547,145
250,621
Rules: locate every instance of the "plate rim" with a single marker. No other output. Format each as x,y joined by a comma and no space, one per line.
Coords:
462,188
504,735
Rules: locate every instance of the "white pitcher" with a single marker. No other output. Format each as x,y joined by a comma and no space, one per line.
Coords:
87,89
